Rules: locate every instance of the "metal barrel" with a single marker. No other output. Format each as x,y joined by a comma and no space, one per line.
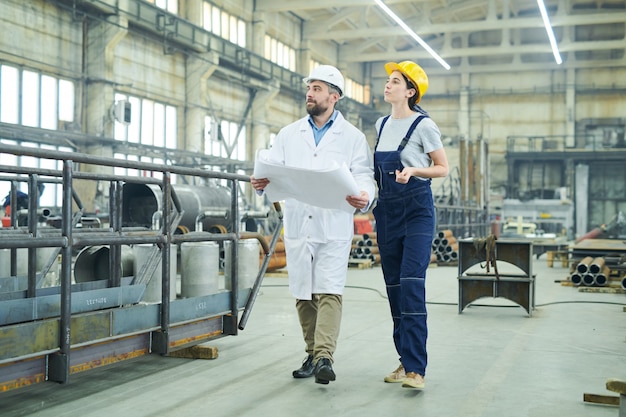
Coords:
199,269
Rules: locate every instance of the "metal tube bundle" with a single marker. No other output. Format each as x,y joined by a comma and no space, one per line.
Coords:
445,247
591,272
365,246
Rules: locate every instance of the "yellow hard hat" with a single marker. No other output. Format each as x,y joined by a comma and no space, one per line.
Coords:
413,72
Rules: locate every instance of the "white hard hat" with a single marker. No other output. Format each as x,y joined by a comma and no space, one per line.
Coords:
328,74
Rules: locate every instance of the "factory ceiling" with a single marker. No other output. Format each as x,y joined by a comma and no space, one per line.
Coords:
470,35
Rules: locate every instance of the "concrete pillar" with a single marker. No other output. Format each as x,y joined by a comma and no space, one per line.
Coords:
258,33
305,58
570,107
464,107
260,129
102,39
581,199
199,69
193,11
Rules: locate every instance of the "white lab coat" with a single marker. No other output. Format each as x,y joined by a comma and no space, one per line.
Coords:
316,232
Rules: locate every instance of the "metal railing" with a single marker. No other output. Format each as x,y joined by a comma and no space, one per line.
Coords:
25,309
562,143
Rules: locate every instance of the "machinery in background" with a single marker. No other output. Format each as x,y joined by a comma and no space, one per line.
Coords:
614,229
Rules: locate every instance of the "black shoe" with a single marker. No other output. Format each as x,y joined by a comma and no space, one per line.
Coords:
324,371
306,370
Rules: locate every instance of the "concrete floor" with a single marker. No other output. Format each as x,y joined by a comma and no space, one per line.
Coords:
492,361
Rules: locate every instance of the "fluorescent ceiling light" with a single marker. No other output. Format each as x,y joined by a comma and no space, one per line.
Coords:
412,33
546,23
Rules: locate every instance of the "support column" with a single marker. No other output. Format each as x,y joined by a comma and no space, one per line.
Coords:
194,11
581,200
305,57
258,33
199,69
260,129
102,39
464,146
570,107
464,107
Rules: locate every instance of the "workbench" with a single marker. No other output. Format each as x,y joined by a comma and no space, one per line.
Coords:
542,245
519,288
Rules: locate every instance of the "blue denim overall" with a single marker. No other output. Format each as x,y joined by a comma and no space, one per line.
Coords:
405,223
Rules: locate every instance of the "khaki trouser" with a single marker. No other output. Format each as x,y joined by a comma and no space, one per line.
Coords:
320,319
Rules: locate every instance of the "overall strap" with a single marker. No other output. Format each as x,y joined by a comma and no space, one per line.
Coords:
410,132
382,124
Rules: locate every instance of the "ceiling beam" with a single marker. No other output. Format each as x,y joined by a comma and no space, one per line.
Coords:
348,55
303,5
513,67
318,32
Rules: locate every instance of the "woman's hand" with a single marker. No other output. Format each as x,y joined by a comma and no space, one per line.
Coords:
403,176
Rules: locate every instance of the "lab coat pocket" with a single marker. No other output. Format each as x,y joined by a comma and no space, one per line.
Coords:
295,220
339,225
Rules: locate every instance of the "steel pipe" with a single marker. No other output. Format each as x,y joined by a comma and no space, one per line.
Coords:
583,265
596,266
589,279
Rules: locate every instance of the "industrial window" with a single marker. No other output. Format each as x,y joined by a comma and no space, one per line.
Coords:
169,5
223,24
52,195
313,64
140,173
36,100
146,122
271,140
279,53
354,90
33,99
222,140
357,91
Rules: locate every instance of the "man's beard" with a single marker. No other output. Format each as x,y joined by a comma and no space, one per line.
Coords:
315,110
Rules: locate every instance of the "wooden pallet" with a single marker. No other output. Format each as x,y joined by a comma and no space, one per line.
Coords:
360,263
603,290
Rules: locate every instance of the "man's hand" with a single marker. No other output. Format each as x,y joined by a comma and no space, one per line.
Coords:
259,184
358,201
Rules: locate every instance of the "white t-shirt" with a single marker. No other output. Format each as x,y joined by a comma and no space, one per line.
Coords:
425,139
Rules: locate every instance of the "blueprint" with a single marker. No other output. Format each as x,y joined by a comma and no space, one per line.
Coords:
326,188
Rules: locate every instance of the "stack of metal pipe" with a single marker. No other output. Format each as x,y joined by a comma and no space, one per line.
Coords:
365,246
445,247
591,272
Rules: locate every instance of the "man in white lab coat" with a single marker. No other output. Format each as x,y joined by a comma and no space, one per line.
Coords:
318,240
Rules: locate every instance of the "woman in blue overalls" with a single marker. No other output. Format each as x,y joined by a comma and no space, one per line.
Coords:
407,155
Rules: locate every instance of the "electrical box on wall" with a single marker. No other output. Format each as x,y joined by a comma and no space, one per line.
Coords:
122,111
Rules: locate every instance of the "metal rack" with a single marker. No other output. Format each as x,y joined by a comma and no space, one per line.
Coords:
519,288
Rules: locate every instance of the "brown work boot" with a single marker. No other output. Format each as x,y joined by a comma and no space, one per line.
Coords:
396,376
413,380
